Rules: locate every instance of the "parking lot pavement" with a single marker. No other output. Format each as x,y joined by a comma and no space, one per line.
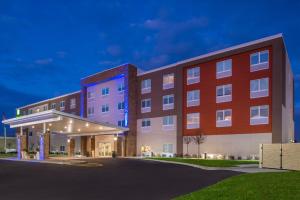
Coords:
102,179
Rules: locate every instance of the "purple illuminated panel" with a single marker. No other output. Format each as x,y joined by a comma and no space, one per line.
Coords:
42,148
19,147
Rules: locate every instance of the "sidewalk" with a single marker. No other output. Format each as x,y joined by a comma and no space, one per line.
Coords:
247,168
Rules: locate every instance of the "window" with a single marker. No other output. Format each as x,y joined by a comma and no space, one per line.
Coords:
53,105
193,98
259,61
62,148
224,68
167,148
168,102
168,81
146,105
259,115
90,95
105,91
30,111
224,93
168,120
121,123
90,110
146,86
259,88
193,120
146,125
62,105
105,108
121,87
224,118
73,103
193,75
168,123
121,105
45,107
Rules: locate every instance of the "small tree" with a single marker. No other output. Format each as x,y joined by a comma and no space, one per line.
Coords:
187,140
198,139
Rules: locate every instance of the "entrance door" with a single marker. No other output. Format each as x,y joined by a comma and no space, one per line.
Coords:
104,149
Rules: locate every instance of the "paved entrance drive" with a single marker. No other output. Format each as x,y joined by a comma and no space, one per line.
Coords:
103,179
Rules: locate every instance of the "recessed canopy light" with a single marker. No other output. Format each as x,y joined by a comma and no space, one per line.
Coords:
100,127
50,124
87,124
78,130
71,121
65,127
60,131
32,127
48,129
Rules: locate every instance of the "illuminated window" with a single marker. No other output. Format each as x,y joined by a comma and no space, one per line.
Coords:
167,148
90,95
53,105
193,120
90,110
121,105
72,103
146,105
121,87
224,118
168,102
105,91
62,105
168,81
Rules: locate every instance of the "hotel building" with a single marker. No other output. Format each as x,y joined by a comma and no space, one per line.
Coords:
236,98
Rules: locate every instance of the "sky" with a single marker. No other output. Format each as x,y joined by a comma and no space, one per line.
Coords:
47,46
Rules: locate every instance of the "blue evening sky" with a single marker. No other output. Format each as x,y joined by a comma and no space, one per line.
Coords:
47,46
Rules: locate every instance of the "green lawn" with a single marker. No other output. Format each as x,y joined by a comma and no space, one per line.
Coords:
209,163
266,186
8,155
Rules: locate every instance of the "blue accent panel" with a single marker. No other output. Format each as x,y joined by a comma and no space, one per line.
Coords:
82,101
19,147
42,148
105,80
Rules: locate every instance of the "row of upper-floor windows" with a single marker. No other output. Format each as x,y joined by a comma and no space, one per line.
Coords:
45,107
106,91
105,108
258,61
167,122
258,115
258,88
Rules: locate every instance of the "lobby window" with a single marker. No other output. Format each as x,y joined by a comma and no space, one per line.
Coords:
53,106
223,118
105,91
168,122
105,108
121,105
193,98
121,87
62,105
146,105
90,110
146,86
168,81
167,148
90,95
193,75
224,93
259,88
121,123
224,69
168,102
259,115
193,120
259,61
72,103
62,148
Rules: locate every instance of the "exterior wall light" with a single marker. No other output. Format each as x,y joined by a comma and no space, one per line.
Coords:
32,127
87,124
115,138
69,140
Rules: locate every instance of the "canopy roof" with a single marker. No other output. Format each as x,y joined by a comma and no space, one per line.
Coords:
63,123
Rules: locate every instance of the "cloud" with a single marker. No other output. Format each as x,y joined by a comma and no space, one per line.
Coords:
114,50
45,61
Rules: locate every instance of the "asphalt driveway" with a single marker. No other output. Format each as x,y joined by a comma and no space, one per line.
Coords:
115,179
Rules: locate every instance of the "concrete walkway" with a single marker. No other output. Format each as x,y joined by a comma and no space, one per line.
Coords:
247,168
